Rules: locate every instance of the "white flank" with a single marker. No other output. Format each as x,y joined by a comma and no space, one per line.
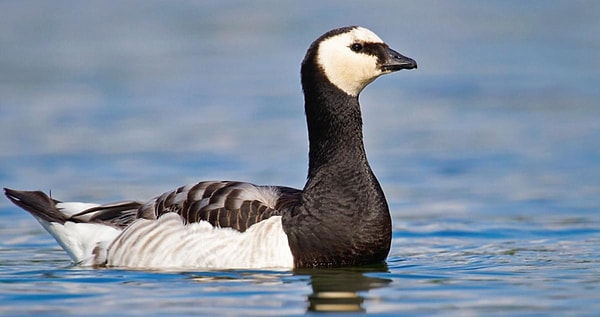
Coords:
168,243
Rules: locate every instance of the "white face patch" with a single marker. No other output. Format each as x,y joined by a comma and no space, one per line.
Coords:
348,70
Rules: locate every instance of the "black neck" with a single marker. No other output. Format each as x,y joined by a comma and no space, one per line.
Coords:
342,202
337,157
335,131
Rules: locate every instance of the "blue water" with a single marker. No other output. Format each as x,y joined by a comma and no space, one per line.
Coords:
489,153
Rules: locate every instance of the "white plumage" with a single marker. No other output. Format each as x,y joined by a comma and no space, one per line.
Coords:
168,243
80,240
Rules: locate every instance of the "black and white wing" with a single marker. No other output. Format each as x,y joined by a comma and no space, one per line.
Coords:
236,205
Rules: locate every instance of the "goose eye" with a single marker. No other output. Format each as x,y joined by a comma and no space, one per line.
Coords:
356,47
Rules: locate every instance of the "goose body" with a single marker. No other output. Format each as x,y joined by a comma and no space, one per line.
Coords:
339,218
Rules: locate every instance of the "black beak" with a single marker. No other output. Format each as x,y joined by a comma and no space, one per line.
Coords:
394,61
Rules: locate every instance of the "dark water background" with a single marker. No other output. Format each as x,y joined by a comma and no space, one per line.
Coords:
489,153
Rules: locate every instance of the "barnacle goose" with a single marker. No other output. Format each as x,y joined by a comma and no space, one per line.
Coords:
339,218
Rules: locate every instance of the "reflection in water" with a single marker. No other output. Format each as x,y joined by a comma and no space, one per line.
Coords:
338,290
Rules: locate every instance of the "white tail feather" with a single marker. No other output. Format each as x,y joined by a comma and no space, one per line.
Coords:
85,243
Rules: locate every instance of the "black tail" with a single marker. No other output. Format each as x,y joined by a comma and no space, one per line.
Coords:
36,203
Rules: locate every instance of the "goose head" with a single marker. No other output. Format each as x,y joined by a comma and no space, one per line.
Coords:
352,57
